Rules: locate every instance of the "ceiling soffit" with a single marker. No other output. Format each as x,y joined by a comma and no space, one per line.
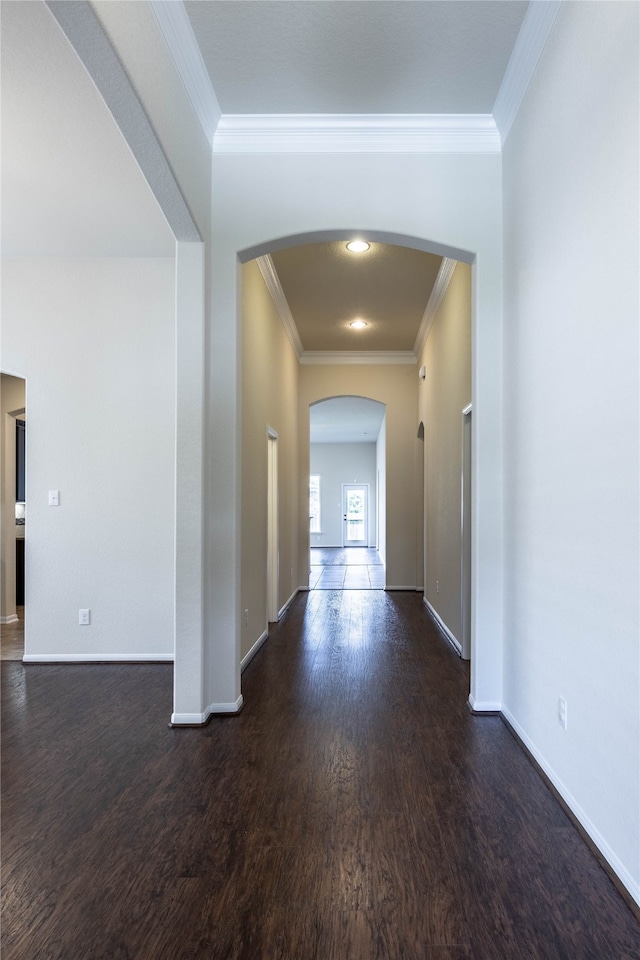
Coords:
424,132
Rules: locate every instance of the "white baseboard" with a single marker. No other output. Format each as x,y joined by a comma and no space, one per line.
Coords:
198,719
485,706
286,606
618,868
98,658
246,660
303,589
394,587
453,640
12,618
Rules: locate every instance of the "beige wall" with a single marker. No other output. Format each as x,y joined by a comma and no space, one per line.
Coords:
13,402
269,399
442,397
397,387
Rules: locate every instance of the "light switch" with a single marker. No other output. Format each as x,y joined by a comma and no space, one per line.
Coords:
54,498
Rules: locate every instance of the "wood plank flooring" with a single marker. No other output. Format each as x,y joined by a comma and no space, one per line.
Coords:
354,810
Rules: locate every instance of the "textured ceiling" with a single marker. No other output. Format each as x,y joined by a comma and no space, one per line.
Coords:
353,56
70,186
326,287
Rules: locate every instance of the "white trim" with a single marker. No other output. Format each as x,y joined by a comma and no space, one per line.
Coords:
287,604
197,719
467,410
612,859
357,358
453,640
357,133
178,35
248,657
272,281
98,658
433,305
485,706
80,25
534,33
410,586
12,618
305,589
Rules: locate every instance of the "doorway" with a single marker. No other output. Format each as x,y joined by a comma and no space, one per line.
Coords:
355,507
272,526
13,517
347,458
466,533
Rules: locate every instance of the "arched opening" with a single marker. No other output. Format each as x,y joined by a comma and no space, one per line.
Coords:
347,480
321,385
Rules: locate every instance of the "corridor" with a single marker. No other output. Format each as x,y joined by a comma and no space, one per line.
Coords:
354,810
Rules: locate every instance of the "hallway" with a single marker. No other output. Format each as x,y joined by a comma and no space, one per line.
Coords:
354,810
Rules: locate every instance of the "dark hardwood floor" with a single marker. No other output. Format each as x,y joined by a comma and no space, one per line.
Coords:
354,810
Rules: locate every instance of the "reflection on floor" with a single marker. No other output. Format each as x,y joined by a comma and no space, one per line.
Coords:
346,568
12,638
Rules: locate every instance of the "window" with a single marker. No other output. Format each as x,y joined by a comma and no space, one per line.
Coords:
314,504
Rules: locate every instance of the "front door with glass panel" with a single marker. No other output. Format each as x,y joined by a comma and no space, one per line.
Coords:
355,512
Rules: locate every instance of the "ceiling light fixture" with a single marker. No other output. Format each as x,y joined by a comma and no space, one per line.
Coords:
358,246
358,324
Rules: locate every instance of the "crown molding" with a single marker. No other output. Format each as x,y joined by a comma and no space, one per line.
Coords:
357,358
534,33
356,133
433,305
272,280
178,35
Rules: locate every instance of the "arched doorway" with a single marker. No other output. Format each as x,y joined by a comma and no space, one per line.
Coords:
347,515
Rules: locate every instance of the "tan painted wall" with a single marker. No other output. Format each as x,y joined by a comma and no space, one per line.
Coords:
397,387
442,397
269,399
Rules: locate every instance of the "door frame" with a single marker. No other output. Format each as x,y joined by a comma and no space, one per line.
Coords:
272,526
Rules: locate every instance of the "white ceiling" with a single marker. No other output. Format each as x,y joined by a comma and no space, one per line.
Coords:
70,185
353,56
345,420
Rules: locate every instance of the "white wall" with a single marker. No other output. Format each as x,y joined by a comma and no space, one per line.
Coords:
571,422
339,463
94,338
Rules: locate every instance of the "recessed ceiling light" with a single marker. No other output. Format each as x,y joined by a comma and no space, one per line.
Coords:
358,246
358,324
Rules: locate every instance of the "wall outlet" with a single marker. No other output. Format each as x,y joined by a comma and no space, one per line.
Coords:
246,617
84,617
562,712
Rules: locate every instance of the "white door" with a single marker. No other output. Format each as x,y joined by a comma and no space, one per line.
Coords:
355,507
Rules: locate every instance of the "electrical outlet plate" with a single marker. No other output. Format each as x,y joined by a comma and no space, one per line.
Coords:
84,617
